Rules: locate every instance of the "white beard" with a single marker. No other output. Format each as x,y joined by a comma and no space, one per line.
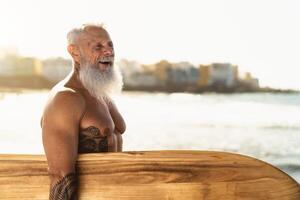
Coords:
100,84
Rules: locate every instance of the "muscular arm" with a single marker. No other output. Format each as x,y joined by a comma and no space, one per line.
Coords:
60,126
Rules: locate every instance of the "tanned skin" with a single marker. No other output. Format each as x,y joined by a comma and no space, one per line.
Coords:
74,121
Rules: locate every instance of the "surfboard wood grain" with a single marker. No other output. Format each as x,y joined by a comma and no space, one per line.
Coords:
166,175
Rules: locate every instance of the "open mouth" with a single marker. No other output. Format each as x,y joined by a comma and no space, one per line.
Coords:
106,62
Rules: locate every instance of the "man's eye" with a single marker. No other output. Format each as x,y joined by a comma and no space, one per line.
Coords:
111,44
98,47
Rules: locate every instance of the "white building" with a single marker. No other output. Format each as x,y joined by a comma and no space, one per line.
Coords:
222,74
183,73
15,65
133,74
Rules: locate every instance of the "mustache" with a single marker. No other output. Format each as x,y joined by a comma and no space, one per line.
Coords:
106,59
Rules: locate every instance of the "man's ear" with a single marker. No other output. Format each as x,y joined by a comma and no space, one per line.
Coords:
74,52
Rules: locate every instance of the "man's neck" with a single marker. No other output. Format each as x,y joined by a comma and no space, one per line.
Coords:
73,79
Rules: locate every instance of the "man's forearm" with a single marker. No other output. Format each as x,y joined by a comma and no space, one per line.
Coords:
65,189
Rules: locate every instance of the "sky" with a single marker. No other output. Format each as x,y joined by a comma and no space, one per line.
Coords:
260,36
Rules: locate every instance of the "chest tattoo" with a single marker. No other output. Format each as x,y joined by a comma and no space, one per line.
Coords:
91,141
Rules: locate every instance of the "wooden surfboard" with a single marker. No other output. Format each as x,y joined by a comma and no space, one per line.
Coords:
152,175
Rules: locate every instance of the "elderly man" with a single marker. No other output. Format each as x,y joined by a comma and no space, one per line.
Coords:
80,116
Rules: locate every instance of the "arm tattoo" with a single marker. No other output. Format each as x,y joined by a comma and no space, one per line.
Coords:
65,189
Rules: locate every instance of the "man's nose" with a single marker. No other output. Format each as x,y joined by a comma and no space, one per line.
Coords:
108,51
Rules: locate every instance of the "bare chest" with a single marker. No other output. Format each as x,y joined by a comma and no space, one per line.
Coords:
98,115
95,124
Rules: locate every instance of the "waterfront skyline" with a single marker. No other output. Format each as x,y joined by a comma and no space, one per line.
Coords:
259,36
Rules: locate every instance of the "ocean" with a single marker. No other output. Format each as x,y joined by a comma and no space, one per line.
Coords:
262,125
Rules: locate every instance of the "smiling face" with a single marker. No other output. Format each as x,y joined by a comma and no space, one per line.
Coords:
96,48
93,54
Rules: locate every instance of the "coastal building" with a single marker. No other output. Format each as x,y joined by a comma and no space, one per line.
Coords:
204,73
182,74
143,80
15,65
218,74
162,69
235,69
222,74
251,82
134,74
128,67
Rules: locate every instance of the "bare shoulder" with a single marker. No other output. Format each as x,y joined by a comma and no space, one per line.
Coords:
64,101
66,95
